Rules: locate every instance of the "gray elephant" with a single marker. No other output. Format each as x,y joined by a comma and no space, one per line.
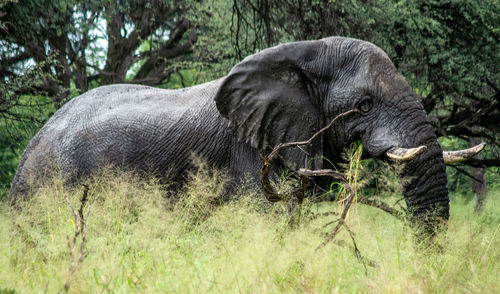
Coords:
281,94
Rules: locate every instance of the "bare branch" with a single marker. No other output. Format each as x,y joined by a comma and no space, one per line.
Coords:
492,85
466,173
357,252
6,62
382,206
304,175
484,162
280,146
81,221
341,220
269,192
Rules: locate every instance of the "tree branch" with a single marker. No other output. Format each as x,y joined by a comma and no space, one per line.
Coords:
382,206
120,55
483,162
6,62
153,70
492,85
304,175
280,146
466,173
80,222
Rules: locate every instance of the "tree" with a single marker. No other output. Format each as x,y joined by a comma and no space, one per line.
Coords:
263,23
151,36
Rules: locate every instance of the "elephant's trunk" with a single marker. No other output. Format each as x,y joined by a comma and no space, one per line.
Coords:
425,190
405,128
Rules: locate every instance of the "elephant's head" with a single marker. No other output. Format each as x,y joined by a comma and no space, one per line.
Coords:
287,93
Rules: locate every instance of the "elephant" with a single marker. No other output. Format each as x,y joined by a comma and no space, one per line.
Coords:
280,94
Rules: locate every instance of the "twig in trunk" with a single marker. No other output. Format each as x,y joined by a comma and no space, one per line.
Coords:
308,142
298,192
306,174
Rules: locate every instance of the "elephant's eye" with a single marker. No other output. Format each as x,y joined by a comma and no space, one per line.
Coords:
365,105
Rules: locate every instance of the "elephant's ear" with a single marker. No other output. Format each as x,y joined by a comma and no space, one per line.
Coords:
269,98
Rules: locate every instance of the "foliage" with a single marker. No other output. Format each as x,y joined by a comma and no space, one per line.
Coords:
137,241
448,50
353,170
20,117
259,24
96,41
214,52
355,167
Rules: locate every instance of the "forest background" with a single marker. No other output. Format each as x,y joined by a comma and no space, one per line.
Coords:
54,50
140,241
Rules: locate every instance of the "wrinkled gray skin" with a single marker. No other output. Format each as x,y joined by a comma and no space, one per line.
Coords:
281,94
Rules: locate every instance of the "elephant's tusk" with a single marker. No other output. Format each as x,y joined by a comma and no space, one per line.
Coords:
405,154
451,157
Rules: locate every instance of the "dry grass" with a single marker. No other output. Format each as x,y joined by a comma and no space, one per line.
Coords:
139,241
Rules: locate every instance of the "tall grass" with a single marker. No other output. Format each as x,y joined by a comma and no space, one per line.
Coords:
139,241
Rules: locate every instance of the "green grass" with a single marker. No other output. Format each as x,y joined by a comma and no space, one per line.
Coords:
140,242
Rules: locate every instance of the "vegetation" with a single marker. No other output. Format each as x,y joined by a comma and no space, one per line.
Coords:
138,241
96,41
447,50
51,51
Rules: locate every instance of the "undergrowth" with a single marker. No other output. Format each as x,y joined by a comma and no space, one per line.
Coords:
140,241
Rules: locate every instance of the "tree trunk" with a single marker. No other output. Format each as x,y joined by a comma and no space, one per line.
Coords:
479,179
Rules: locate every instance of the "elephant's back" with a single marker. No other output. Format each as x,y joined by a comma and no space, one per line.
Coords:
111,123
122,100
